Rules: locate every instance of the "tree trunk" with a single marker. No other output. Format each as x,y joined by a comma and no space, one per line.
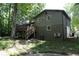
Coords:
9,20
14,12
0,23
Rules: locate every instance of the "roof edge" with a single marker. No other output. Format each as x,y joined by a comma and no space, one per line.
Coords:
53,10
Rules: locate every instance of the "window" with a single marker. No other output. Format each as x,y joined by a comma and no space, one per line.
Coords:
57,35
48,28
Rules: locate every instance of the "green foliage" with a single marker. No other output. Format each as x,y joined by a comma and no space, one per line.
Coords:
4,18
73,11
5,43
30,9
36,9
68,8
26,10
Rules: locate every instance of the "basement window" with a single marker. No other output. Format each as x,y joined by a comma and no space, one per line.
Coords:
48,28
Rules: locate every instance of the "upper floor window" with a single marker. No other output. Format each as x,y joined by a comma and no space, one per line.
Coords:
48,28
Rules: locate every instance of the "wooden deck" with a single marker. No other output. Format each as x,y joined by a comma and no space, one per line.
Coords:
27,29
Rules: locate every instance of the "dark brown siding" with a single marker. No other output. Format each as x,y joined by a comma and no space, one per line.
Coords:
65,26
66,22
56,21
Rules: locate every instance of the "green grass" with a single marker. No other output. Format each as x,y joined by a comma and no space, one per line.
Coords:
5,43
67,46
43,46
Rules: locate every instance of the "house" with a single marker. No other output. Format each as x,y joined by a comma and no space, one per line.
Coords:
52,24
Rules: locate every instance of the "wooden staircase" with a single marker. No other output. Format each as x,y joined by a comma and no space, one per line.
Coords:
28,30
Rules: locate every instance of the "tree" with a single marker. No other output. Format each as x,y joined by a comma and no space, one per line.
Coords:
73,11
30,9
4,18
36,9
14,12
25,10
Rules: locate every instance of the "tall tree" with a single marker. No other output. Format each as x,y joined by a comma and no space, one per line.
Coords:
73,11
9,19
14,12
25,10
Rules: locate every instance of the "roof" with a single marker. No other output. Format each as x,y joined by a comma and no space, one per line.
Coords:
53,10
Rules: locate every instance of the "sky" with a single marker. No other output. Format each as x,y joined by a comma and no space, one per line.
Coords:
50,4
55,5
58,4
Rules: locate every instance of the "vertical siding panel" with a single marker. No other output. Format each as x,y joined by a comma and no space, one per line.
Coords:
56,20
65,20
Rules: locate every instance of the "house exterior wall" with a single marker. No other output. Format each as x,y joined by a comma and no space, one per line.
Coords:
40,26
53,19
66,25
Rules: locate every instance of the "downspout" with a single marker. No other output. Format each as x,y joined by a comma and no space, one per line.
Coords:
62,26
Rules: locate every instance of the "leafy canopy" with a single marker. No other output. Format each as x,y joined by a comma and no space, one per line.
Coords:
73,11
24,10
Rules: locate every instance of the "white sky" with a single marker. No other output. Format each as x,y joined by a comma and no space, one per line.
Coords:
50,4
55,5
58,4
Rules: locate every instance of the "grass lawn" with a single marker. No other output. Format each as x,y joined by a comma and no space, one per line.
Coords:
62,46
40,46
5,43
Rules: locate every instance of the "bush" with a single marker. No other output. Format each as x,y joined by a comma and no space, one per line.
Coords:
4,43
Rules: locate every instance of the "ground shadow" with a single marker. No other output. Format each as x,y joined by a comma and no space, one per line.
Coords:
58,47
54,47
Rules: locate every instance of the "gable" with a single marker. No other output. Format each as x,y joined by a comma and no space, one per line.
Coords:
45,11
